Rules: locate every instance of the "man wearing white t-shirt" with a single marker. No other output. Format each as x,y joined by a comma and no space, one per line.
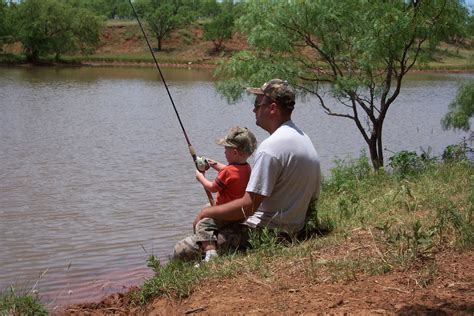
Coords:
285,177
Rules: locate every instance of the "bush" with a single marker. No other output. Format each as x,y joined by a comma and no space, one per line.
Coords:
347,173
407,163
457,152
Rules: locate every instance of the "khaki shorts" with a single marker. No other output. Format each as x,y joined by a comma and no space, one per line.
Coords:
231,236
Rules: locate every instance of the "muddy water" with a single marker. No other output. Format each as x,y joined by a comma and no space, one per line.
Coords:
95,174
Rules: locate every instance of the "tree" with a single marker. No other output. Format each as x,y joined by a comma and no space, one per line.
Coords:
165,16
49,26
6,27
461,109
110,9
356,50
208,8
219,29
3,25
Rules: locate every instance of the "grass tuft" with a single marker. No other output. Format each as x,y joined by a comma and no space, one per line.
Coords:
14,302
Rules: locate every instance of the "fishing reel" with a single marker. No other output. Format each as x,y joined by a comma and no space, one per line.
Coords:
202,164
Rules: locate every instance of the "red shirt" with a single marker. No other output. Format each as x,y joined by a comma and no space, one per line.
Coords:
231,182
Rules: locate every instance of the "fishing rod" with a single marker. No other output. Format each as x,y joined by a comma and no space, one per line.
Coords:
190,147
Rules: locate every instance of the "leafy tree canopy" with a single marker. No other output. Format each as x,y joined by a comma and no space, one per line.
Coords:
461,109
221,27
357,51
107,8
165,16
6,25
52,27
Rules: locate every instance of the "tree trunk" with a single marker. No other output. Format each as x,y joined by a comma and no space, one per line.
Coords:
377,160
159,43
32,56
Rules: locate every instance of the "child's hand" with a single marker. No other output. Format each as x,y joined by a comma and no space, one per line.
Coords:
199,175
211,162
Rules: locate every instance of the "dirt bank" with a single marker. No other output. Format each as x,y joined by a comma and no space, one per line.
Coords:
291,289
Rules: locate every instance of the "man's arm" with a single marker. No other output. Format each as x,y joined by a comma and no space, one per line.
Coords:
232,211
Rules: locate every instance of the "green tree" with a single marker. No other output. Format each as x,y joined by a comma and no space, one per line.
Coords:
358,51
219,29
461,109
208,8
165,16
6,27
470,25
110,9
52,27
3,25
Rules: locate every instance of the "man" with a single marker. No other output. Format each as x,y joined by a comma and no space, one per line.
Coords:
285,177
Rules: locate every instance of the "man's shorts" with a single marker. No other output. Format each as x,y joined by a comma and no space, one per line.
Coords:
233,236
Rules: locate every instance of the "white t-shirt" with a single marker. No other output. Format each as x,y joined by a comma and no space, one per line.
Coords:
286,171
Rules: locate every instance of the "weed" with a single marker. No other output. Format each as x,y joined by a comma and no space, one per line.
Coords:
457,152
406,163
346,174
175,279
20,303
449,220
154,264
266,240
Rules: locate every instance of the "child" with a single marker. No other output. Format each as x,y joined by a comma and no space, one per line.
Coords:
230,183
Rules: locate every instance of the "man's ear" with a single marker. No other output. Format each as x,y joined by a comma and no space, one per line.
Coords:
273,107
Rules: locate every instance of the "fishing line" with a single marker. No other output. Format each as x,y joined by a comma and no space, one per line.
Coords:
190,147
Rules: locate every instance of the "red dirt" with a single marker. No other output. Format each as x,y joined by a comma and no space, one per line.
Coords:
128,39
290,290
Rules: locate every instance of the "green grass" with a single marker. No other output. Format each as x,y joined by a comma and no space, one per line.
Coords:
404,218
7,59
13,302
161,57
450,58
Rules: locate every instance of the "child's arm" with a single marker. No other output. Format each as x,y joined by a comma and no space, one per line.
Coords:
215,164
205,183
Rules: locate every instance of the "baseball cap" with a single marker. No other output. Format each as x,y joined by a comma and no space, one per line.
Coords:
240,138
278,90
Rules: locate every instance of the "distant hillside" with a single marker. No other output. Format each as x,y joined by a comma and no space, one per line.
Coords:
124,40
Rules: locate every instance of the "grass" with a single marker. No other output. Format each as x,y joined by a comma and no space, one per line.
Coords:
379,222
449,57
13,302
13,59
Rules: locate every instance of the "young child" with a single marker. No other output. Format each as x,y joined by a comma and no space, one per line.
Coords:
230,183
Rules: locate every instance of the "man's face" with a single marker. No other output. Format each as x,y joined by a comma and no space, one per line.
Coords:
260,105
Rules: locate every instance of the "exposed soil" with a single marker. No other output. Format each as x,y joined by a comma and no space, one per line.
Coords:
290,289
186,47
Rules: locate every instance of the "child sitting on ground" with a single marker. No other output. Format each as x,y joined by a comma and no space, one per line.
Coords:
230,183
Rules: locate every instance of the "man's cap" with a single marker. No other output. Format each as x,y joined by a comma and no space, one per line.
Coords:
240,138
278,90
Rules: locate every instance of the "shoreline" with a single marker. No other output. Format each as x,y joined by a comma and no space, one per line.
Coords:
189,65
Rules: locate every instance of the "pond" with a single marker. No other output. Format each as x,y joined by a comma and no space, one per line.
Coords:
95,172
